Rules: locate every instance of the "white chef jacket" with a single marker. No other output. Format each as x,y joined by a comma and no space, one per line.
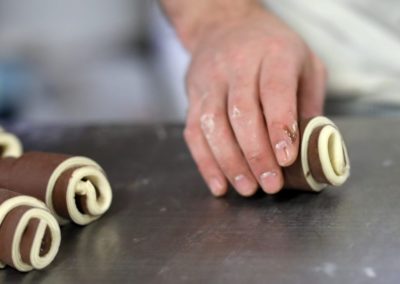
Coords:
359,41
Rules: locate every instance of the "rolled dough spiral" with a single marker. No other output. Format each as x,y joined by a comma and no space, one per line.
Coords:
10,146
29,234
73,188
323,159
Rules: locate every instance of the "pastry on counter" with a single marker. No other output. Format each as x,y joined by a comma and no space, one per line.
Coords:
29,234
323,159
10,146
73,188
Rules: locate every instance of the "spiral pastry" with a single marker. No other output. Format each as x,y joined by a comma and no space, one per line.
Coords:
29,235
323,159
73,188
10,146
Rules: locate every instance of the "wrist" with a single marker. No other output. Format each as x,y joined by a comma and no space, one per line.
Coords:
191,23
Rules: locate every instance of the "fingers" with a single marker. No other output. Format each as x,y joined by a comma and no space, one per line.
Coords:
278,93
201,153
244,128
251,132
222,142
312,88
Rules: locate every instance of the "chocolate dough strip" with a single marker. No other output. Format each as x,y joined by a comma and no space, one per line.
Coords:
73,188
10,146
29,234
323,159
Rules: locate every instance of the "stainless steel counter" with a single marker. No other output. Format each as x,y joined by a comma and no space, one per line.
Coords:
164,226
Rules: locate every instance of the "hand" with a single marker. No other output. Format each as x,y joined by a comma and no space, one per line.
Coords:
249,81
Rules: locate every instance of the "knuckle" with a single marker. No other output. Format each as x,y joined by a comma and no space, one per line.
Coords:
255,157
242,120
276,125
242,116
235,112
209,110
208,121
236,105
209,114
244,113
188,134
240,98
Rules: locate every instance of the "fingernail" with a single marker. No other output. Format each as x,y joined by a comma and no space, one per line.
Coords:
244,185
270,182
282,152
293,132
284,148
217,186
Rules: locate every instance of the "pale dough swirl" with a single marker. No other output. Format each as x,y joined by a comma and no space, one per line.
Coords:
73,188
86,181
331,153
30,236
10,146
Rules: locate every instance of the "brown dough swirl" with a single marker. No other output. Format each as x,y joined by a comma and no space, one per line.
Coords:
323,159
73,188
10,146
29,234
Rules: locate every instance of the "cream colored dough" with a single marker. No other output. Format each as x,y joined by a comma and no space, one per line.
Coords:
10,145
46,220
332,152
87,180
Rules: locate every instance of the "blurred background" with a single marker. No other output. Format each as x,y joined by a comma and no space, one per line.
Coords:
95,61
73,61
